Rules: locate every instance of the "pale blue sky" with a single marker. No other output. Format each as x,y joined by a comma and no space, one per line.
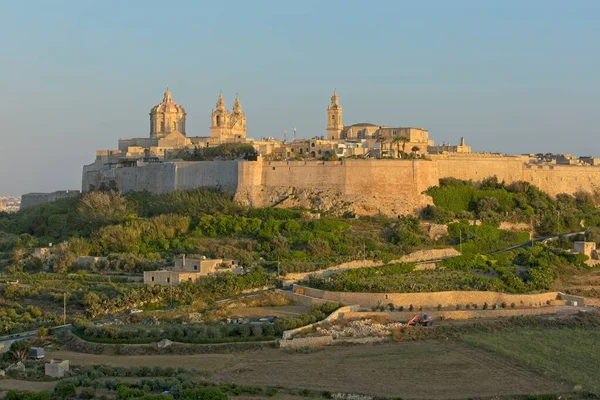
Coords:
510,76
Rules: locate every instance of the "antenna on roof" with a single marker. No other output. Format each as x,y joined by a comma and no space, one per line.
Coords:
285,135
294,133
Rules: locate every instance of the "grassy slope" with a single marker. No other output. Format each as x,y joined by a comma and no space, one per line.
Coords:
569,354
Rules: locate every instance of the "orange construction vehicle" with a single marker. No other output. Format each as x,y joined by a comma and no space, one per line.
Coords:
418,319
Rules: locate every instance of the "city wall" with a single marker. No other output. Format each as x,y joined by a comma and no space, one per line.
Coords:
34,199
391,187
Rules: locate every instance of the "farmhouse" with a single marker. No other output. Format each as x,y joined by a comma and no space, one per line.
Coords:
188,270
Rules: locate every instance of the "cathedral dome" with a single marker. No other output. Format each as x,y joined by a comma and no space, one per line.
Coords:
166,117
167,105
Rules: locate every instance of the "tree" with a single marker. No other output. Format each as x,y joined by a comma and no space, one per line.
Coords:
103,208
65,390
381,141
403,140
415,149
19,350
42,332
64,258
396,140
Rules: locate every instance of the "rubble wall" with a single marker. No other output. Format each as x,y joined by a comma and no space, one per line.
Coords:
445,299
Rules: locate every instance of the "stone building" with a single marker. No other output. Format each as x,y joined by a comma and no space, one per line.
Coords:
56,368
228,126
447,148
189,270
392,139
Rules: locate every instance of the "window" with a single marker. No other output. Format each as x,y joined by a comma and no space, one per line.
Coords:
168,280
312,145
218,120
152,279
174,125
332,117
196,267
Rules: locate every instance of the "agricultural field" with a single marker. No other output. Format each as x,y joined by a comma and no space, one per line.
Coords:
572,355
451,370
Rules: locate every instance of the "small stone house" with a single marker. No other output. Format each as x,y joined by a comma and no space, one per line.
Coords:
188,270
56,368
587,248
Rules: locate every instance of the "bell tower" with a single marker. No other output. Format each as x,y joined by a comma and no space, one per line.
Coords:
228,126
334,119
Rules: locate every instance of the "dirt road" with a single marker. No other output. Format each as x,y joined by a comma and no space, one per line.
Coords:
432,370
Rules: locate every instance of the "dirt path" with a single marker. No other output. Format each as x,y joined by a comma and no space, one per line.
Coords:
259,312
13,384
432,370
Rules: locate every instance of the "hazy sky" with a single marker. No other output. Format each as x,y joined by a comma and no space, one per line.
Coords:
510,76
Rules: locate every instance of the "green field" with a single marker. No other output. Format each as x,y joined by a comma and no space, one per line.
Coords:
571,355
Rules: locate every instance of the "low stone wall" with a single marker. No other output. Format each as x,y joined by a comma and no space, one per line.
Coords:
428,300
339,313
417,256
592,302
319,341
572,300
515,226
403,316
429,254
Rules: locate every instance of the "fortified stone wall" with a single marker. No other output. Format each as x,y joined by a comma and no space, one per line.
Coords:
168,177
391,187
34,199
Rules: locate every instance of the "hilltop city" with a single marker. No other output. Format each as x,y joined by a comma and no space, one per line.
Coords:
341,266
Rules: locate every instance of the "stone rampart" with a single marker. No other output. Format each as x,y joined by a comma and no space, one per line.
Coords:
34,199
391,187
428,300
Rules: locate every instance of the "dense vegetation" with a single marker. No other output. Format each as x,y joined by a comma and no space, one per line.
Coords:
225,151
142,231
493,201
197,333
519,271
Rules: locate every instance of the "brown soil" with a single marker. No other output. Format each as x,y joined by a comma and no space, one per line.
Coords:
14,384
259,312
432,370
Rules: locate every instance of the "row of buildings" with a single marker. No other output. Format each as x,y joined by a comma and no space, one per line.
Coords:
168,131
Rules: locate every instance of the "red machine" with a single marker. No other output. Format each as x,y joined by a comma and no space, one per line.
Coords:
418,319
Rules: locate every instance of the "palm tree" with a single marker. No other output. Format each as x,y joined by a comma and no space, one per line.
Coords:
19,350
381,141
397,140
404,140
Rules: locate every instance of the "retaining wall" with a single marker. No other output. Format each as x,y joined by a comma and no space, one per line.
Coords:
428,300
403,316
339,313
417,256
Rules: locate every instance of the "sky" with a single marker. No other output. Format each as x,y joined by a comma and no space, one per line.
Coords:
75,76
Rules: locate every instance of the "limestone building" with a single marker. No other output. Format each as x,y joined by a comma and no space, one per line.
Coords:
228,126
393,140
167,117
189,270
